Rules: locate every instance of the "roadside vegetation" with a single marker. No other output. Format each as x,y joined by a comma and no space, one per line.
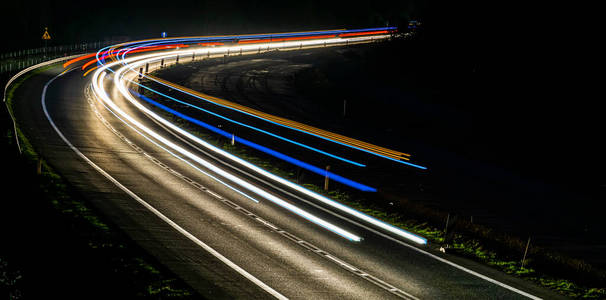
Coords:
78,238
570,277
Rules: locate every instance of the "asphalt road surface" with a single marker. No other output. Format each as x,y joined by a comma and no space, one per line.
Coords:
181,215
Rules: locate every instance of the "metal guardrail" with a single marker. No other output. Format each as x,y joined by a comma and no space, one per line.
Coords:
8,83
15,61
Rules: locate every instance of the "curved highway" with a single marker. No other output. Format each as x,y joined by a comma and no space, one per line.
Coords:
224,226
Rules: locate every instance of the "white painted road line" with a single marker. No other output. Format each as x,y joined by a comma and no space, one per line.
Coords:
180,229
378,282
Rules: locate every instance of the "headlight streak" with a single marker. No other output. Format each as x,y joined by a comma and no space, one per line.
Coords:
98,78
354,270
149,207
348,210
177,156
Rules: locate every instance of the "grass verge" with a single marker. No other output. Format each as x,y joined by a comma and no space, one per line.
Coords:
568,276
136,273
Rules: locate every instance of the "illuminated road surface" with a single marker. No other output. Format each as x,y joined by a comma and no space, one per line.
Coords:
212,218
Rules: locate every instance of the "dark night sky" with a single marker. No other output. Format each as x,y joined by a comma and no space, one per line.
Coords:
528,72
88,20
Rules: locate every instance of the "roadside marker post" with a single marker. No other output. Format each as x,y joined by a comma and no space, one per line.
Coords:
525,252
326,178
446,228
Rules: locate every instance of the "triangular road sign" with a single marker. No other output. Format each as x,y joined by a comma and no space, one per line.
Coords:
46,36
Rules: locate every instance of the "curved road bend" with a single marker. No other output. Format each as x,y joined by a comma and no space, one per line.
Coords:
295,258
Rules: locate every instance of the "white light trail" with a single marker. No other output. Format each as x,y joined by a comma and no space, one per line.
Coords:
98,83
133,63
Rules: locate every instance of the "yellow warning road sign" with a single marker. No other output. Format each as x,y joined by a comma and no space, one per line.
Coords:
46,36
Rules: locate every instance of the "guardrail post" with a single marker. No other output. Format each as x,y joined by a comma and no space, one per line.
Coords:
146,68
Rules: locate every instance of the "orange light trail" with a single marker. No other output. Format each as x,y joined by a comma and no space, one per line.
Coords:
110,53
211,44
310,129
90,70
363,33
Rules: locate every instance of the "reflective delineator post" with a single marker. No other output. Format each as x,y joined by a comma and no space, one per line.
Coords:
146,68
446,228
326,178
140,73
162,63
233,139
177,59
525,251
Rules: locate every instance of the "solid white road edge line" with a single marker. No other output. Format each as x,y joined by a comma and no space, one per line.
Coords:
180,229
